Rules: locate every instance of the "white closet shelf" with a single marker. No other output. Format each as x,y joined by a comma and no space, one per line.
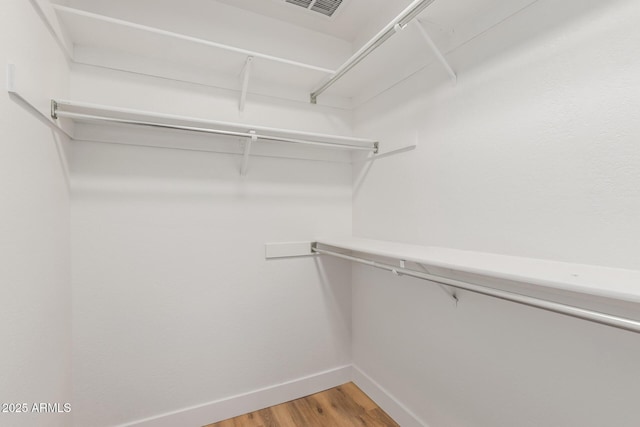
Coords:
107,35
110,42
103,115
612,283
469,271
86,112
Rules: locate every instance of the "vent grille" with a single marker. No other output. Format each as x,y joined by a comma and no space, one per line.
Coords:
303,3
324,7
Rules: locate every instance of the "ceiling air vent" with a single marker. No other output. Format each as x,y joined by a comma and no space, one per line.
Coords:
325,7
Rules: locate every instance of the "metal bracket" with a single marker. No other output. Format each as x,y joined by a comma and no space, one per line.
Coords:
246,74
289,250
451,292
402,265
398,23
54,109
247,151
13,92
436,51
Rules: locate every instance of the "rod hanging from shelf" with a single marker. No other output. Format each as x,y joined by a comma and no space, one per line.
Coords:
568,310
251,134
399,23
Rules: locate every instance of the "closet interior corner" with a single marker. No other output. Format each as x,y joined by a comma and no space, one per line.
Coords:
320,213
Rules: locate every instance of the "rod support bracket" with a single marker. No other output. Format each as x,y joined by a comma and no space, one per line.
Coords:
402,265
436,51
54,109
247,152
246,75
451,292
399,27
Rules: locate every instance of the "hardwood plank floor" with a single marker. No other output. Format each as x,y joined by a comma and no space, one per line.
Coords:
343,406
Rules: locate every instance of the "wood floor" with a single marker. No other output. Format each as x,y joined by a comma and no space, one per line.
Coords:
345,405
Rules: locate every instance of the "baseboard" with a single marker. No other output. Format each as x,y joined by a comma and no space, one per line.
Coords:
222,409
385,400
219,410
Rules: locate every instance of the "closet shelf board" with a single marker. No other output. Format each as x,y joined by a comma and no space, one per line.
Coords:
614,283
97,110
90,32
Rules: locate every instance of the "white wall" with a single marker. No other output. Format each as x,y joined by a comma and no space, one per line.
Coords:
220,23
534,153
174,303
536,142
35,311
229,25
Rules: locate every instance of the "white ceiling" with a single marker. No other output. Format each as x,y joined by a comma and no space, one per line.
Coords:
347,22
358,20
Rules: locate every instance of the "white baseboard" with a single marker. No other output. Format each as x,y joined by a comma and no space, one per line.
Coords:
219,410
386,401
222,409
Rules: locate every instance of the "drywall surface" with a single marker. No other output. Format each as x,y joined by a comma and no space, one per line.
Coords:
122,89
35,311
228,25
174,302
216,22
533,153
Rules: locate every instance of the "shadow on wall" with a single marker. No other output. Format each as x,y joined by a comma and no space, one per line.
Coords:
335,277
539,20
116,170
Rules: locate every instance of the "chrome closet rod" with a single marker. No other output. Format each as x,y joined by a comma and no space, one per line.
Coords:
401,21
568,310
80,116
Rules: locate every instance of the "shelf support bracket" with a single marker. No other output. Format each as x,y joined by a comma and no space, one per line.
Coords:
246,74
13,93
247,151
436,51
451,292
402,265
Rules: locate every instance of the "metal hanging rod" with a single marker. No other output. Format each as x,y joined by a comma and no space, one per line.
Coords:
60,105
253,135
399,23
568,310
